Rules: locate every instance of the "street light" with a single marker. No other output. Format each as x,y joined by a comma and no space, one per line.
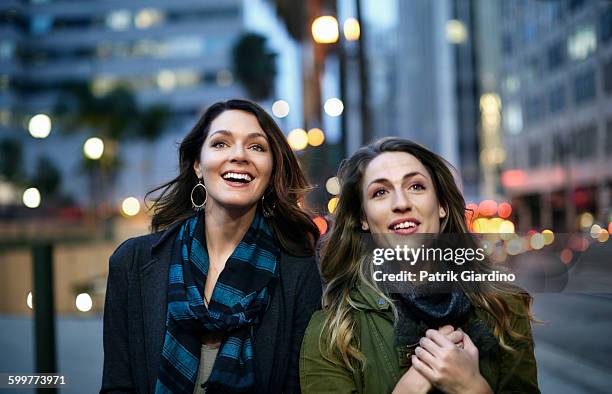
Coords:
39,126
325,30
351,29
93,148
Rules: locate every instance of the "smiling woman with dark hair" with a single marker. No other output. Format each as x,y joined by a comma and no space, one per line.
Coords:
218,298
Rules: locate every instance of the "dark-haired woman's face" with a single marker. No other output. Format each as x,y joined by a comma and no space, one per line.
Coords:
399,197
236,161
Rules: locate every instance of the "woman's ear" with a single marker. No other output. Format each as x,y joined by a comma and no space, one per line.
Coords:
197,169
442,212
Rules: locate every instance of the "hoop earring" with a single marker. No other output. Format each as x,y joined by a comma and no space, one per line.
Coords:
267,212
199,207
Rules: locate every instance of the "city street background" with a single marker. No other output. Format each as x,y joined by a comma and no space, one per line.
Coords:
95,95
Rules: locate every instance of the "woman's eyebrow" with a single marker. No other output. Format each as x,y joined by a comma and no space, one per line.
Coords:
229,134
408,175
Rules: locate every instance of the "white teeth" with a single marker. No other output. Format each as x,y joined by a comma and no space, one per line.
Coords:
234,175
404,225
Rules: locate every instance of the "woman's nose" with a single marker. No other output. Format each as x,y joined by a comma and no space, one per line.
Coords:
401,202
239,153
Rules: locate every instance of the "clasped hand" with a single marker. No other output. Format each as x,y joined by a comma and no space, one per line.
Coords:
446,359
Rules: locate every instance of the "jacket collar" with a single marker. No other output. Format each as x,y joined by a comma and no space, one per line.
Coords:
366,298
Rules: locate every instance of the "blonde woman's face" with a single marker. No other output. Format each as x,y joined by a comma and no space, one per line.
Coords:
399,197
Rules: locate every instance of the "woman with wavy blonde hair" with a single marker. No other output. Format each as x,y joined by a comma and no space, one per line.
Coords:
472,337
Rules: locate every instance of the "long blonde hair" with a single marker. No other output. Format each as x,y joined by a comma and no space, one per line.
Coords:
343,262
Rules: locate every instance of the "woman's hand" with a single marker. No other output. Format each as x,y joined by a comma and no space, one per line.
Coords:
412,381
448,366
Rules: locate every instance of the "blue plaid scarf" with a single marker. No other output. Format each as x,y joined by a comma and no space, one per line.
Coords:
240,297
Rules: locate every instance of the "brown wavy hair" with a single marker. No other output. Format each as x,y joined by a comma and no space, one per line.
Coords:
292,224
344,262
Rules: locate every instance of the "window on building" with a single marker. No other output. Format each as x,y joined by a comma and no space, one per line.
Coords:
607,77
556,56
534,110
556,99
7,49
574,5
584,87
41,24
5,81
558,152
585,142
535,155
605,24
507,46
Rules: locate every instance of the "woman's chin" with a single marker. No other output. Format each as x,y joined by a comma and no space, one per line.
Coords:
236,205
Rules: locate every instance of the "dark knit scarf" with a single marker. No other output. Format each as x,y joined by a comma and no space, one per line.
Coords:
436,309
426,308
240,298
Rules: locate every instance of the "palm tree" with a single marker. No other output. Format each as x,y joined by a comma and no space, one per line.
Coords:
254,65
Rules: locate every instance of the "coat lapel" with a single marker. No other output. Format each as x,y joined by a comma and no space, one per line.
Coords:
266,341
154,295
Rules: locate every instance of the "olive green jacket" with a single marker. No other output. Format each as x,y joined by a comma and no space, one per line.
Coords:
386,362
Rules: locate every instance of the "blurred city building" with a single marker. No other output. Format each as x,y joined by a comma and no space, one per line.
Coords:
556,89
173,53
178,54
426,78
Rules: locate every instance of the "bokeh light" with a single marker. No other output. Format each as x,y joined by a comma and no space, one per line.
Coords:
332,204
506,227
130,206
31,197
315,137
566,256
39,126
298,139
93,148
321,224
456,33
537,241
332,185
280,108
487,208
351,29
585,220
325,30
333,107
549,237
504,210
83,302
595,230
29,301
